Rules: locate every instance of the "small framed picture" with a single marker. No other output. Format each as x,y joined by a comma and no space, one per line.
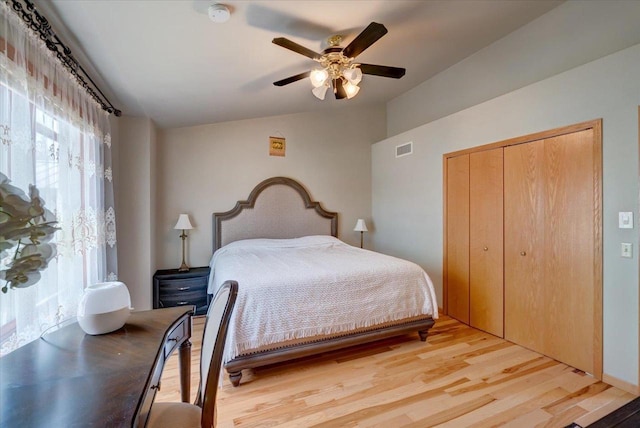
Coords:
277,146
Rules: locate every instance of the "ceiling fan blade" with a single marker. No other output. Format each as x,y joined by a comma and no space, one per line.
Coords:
293,46
292,79
338,89
369,36
382,70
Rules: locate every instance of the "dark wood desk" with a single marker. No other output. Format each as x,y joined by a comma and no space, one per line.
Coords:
71,379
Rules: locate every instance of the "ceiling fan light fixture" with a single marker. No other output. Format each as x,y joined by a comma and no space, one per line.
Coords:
338,67
353,75
318,77
320,91
351,89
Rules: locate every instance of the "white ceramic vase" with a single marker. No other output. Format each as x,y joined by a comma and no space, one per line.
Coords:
104,307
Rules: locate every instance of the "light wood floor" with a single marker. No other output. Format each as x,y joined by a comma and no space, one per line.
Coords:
460,377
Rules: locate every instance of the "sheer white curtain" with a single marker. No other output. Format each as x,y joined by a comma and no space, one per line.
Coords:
55,136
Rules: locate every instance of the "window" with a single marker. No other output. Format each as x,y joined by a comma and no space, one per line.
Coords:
55,136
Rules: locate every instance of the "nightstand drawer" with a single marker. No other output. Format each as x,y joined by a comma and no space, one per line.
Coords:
181,299
183,285
201,304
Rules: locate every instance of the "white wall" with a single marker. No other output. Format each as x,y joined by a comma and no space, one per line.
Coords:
570,35
407,192
135,214
207,169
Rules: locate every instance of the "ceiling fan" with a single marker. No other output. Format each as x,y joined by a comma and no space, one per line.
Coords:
339,69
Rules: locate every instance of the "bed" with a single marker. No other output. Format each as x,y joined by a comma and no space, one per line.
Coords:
302,291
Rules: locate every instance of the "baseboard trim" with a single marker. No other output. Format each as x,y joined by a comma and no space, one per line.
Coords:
621,384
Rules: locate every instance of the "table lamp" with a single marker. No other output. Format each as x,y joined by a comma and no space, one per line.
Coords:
185,224
361,227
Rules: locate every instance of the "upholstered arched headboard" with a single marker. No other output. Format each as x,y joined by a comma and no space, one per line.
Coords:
278,207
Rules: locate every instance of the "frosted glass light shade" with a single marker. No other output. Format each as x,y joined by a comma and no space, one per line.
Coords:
351,90
183,222
320,91
318,77
361,226
353,75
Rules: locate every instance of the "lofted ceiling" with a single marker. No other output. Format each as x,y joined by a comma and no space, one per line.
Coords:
168,61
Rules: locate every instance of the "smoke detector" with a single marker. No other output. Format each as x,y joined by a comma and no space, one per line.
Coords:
219,13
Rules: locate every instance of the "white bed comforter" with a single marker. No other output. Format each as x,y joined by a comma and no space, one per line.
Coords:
315,285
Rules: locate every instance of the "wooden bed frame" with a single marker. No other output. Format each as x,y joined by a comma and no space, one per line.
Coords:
279,214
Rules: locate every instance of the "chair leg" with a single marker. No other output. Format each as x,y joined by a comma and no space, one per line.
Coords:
235,377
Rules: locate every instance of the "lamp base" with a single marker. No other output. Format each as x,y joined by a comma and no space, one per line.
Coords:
183,267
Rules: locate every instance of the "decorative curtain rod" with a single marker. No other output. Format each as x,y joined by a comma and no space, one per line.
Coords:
39,23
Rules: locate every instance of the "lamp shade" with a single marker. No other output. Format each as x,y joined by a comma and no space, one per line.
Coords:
318,77
320,91
351,89
183,222
353,75
361,226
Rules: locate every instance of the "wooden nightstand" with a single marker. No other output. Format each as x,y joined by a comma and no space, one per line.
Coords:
173,288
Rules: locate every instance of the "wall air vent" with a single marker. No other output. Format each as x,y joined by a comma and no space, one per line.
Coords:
404,149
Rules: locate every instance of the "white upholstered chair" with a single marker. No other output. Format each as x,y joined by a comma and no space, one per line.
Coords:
202,413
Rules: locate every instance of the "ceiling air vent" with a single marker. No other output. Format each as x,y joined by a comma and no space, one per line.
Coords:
404,149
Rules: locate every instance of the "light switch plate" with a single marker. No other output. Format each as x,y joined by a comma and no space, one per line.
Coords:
626,250
625,220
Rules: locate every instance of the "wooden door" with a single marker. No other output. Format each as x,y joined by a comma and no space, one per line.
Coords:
486,287
572,220
457,238
524,244
553,265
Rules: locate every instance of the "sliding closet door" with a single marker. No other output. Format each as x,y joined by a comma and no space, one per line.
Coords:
524,226
457,238
486,288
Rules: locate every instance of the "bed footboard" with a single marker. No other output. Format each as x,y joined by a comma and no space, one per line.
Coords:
287,353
